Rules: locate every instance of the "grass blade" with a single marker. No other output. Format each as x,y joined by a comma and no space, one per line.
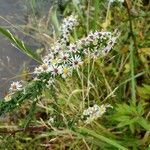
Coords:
102,138
20,44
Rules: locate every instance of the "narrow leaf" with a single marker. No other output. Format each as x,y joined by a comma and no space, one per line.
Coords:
102,138
20,44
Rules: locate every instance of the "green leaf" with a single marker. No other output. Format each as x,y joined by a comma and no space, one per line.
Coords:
54,20
19,44
144,91
144,123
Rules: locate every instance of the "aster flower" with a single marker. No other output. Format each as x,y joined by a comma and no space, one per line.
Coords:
58,47
56,70
64,56
55,61
93,113
91,37
95,54
37,70
66,71
68,24
16,86
73,48
111,43
76,61
45,68
46,59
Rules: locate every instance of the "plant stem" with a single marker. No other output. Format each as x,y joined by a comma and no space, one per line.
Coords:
133,49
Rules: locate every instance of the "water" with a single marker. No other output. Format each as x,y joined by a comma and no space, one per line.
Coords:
14,13
11,59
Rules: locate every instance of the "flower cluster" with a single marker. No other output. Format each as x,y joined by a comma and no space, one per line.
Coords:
63,58
67,26
101,43
93,113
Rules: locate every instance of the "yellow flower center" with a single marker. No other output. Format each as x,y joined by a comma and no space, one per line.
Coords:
66,70
54,61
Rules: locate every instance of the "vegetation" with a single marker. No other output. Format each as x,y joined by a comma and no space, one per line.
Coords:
99,97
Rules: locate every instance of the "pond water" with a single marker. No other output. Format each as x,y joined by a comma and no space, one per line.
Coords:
13,14
11,59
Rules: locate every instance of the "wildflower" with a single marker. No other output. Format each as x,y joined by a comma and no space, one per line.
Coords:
73,48
55,61
16,86
110,43
67,71
95,54
48,58
93,113
91,37
64,56
45,68
37,70
57,48
76,61
68,24
56,70
86,51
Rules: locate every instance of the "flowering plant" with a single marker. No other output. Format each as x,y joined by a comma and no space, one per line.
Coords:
60,61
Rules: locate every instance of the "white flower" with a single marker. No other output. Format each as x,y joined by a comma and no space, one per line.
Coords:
66,71
95,54
55,61
76,61
64,56
56,70
109,46
48,58
67,26
73,48
91,37
57,47
104,35
37,70
16,86
93,113
45,68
